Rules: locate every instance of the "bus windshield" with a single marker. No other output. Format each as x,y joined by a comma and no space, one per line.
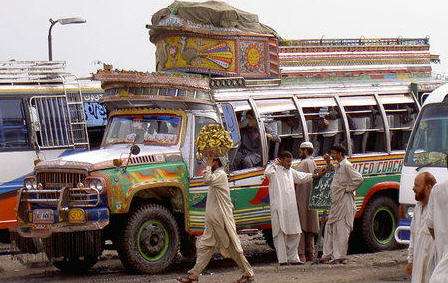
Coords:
428,145
144,129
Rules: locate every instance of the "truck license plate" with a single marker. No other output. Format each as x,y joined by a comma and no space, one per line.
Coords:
43,216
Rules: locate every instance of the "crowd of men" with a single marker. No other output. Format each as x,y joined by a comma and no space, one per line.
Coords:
294,226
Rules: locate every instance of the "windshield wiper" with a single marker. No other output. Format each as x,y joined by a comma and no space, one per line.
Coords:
429,164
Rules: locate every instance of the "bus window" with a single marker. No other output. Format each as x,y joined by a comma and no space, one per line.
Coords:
401,118
288,127
325,127
13,129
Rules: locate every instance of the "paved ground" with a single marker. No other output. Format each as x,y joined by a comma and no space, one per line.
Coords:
377,267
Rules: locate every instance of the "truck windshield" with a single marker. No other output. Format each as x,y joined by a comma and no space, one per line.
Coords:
428,145
144,129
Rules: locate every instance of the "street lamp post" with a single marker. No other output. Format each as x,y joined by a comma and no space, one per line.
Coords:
65,21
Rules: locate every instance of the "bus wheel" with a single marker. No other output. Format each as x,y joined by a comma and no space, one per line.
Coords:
267,235
150,240
379,224
75,265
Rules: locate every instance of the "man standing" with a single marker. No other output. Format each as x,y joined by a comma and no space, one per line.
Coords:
309,220
421,247
342,212
220,230
438,227
284,214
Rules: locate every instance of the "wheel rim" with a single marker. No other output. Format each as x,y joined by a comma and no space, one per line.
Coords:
383,225
152,240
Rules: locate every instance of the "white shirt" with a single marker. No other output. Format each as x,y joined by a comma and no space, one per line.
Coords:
421,247
282,195
438,218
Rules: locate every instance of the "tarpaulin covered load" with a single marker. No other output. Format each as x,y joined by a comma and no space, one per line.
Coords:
215,13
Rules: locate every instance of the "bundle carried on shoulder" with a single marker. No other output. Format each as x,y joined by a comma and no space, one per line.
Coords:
213,139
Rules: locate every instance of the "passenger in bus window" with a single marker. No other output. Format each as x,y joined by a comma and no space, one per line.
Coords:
359,134
292,130
329,126
249,153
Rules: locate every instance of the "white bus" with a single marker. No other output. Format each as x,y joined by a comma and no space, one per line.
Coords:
427,150
45,113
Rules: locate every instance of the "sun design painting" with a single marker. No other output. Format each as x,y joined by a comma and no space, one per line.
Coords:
252,57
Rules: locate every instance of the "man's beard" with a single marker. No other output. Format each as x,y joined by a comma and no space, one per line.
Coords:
419,196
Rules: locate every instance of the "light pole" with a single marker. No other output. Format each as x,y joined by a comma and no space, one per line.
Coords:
65,21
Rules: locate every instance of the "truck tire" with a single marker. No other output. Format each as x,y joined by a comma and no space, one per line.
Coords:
379,223
75,265
188,246
149,240
267,235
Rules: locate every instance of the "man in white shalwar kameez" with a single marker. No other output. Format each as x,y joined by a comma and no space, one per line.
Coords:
339,224
421,250
220,229
284,214
438,226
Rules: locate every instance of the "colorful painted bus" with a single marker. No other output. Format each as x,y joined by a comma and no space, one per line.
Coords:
43,114
143,189
427,150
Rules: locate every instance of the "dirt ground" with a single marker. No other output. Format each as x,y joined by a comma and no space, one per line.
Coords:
376,267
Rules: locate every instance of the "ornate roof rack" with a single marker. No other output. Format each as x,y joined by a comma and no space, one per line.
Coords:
32,72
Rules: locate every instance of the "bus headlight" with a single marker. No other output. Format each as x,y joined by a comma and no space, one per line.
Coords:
30,183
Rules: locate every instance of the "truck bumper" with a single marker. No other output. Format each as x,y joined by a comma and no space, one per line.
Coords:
94,219
403,232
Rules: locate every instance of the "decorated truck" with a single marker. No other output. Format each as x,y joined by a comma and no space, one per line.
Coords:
143,189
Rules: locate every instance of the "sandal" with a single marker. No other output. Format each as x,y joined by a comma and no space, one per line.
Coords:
244,279
324,260
338,261
187,279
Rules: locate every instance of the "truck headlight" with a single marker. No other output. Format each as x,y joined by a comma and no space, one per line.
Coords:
30,183
95,184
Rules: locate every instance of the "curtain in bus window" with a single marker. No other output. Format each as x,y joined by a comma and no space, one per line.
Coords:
13,130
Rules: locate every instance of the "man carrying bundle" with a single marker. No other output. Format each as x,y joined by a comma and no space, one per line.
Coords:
220,229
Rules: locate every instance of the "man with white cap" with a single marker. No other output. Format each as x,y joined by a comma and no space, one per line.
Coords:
309,220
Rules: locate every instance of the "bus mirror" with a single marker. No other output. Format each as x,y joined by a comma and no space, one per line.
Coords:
231,123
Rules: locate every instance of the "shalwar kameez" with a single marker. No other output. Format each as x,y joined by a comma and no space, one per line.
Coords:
342,212
220,229
284,214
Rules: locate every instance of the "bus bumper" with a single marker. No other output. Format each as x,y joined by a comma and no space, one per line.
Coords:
403,232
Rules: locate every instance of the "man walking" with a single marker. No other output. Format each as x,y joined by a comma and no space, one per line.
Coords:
421,247
284,214
220,230
342,212
309,220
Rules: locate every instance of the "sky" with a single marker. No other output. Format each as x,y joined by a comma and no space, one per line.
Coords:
115,31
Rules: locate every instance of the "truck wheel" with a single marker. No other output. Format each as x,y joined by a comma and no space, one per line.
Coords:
75,265
379,224
267,235
188,246
150,240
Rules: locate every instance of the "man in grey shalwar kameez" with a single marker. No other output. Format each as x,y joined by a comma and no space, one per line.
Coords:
220,229
342,212
309,220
